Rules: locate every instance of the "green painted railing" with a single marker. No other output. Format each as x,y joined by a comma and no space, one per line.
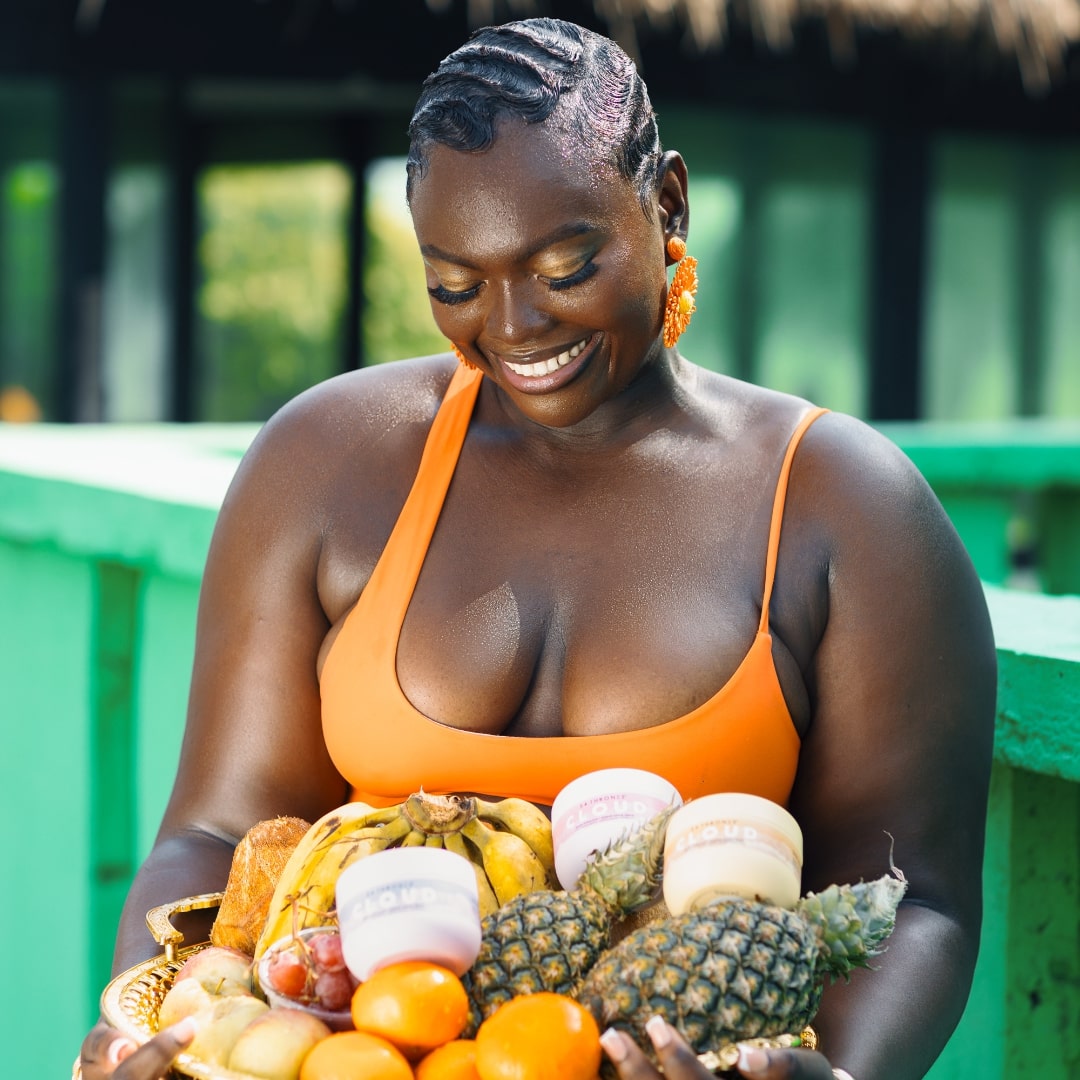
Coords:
1012,488
103,533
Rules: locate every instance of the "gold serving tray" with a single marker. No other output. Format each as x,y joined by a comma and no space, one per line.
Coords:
132,1000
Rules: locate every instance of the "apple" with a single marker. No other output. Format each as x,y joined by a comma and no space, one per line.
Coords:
220,1026
184,998
273,1046
219,969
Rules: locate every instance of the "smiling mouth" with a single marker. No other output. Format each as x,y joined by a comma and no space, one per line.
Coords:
546,367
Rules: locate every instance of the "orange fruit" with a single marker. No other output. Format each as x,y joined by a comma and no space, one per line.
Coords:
538,1037
415,1005
348,1055
452,1061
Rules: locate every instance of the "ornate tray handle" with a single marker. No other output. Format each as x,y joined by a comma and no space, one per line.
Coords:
159,919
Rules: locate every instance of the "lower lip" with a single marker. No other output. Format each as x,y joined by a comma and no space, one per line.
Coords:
553,380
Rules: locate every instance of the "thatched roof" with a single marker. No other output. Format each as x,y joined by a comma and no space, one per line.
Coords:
1038,33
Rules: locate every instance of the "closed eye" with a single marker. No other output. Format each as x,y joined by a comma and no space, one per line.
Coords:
451,296
576,278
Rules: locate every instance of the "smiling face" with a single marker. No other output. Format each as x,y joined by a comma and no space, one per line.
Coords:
543,269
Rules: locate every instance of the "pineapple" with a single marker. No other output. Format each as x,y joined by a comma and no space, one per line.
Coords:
548,940
739,969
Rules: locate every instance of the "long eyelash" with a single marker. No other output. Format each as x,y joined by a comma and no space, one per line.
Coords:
576,278
445,296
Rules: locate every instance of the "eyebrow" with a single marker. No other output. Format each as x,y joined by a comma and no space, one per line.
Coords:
557,236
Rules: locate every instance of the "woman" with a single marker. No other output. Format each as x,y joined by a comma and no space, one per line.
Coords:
596,564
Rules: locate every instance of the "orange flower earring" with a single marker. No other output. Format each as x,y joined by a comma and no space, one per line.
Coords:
680,298
462,359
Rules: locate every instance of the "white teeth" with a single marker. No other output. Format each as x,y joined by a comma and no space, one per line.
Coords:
545,367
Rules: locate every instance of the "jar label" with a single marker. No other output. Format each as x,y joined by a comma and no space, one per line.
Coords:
635,809
418,895
760,837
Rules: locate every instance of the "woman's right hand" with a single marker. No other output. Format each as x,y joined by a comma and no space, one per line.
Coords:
107,1052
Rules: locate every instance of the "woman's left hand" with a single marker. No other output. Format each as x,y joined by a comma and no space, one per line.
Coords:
681,1063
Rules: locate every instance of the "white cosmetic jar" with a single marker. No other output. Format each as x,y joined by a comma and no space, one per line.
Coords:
412,903
731,845
600,807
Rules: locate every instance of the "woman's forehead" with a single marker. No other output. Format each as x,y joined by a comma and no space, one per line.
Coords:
529,181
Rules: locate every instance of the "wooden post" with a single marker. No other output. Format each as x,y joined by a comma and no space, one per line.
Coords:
897,255
183,168
356,155
84,160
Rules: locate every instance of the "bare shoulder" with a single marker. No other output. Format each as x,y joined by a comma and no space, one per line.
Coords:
345,425
357,408
866,496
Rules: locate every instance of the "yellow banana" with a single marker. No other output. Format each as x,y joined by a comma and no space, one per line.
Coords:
523,819
485,894
305,891
509,846
326,826
510,864
316,899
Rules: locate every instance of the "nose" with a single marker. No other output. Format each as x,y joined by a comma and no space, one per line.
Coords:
515,317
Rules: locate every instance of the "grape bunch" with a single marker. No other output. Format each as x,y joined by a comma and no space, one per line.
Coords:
311,971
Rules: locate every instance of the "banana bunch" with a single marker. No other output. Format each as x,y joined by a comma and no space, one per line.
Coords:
507,842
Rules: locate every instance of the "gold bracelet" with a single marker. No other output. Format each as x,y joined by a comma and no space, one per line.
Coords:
724,1058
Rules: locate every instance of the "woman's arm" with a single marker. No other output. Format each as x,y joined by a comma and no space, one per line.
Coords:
253,746
877,600
896,762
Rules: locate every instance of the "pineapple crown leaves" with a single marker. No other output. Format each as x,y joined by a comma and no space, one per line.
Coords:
852,921
626,873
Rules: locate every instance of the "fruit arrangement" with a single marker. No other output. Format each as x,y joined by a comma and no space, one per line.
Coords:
547,979
508,843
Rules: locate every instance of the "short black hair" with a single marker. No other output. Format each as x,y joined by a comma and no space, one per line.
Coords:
525,69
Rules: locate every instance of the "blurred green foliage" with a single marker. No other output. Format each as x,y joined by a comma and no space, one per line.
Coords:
29,280
397,311
271,297
273,267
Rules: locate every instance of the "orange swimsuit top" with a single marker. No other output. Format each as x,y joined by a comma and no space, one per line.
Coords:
741,739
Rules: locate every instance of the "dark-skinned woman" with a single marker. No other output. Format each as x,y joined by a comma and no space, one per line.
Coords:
565,535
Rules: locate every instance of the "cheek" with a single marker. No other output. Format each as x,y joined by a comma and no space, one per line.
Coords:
640,274
453,321
637,298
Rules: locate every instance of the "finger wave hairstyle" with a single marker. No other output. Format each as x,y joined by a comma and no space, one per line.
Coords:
525,69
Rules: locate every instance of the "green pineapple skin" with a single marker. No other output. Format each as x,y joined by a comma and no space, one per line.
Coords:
853,920
740,969
548,940
537,941
736,970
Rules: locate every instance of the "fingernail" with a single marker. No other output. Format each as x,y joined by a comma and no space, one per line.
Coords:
118,1050
658,1031
752,1060
613,1045
183,1031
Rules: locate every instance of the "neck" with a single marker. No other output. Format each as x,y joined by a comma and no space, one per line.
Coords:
656,398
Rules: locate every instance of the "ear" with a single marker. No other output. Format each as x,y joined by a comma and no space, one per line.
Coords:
674,204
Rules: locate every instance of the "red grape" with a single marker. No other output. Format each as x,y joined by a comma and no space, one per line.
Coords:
334,989
326,952
287,974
